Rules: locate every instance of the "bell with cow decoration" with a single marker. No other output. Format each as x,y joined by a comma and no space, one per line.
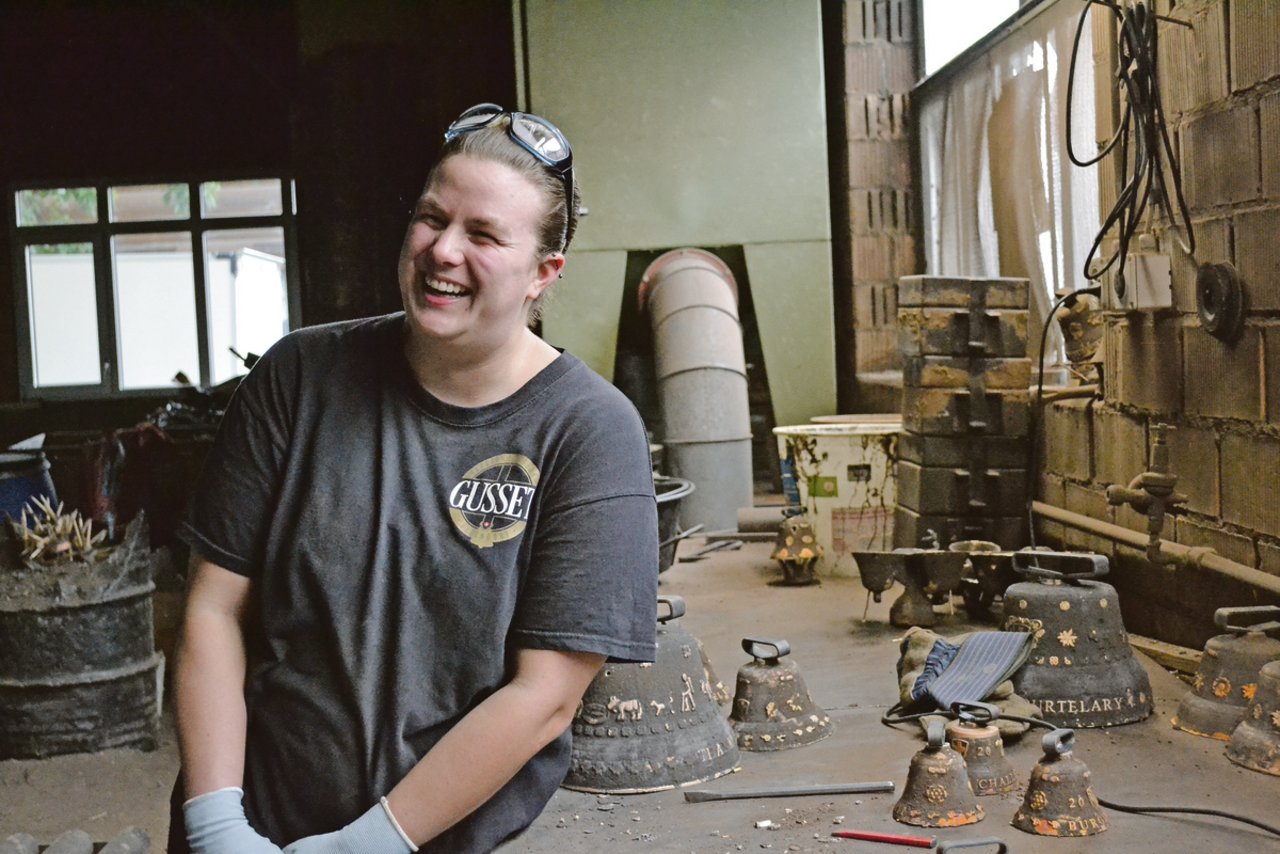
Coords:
1081,671
648,727
772,709
1227,678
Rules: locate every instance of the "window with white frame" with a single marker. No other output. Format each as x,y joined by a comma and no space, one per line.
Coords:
129,288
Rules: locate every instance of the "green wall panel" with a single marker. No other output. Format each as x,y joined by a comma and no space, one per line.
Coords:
796,326
693,123
581,315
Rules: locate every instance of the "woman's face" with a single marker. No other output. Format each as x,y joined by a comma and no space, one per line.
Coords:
469,267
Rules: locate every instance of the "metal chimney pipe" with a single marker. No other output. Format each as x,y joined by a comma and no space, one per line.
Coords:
692,300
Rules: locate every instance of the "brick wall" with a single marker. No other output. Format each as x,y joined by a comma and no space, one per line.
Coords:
880,69
1221,88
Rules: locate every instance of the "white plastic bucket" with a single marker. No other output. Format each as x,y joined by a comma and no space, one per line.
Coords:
846,479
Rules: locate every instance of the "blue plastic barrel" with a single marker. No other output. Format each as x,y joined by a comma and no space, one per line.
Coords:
24,475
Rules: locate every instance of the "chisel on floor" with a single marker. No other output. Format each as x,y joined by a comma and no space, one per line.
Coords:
696,796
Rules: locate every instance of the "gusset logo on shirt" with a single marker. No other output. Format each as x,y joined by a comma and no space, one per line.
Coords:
491,503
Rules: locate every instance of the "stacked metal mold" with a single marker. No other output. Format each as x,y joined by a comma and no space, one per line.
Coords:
965,410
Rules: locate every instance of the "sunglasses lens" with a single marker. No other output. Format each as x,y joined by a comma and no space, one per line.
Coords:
474,118
542,138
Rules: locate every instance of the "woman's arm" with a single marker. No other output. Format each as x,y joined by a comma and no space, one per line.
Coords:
209,680
474,759
493,741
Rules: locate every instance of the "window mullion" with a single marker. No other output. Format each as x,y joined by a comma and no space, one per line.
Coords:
105,284
202,286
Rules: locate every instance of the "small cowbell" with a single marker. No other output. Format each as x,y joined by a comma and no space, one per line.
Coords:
1227,678
975,738
797,551
1059,799
937,792
1255,744
772,709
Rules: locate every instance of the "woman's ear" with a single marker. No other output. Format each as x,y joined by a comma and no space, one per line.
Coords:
549,269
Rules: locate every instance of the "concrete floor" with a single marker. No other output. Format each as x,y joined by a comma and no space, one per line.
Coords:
849,667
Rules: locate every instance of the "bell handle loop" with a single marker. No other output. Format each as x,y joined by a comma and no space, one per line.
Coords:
936,734
953,844
675,608
1058,742
971,712
1071,566
1241,619
758,648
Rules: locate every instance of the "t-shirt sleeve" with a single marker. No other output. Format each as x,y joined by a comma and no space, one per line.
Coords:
226,523
592,581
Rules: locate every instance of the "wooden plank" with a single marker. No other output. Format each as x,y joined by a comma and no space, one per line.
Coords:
1183,659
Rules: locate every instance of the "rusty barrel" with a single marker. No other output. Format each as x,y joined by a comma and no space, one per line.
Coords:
78,676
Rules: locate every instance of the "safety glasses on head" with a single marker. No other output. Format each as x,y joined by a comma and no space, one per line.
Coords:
534,134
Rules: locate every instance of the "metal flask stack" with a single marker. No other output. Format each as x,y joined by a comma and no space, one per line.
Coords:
648,727
1081,671
965,410
1227,678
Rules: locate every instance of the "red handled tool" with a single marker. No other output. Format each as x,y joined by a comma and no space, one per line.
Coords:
891,838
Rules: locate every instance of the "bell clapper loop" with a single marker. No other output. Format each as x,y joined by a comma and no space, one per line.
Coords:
975,713
756,648
1058,742
1063,566
674,605
1222,618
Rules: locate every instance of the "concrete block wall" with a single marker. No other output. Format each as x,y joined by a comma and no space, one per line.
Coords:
1220,84
880,69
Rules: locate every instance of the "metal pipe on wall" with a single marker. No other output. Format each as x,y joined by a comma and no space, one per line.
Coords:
1199,557
692,300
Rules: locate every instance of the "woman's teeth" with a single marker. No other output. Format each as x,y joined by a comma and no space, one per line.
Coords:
445,288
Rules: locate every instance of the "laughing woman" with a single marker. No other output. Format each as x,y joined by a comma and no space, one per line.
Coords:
415,542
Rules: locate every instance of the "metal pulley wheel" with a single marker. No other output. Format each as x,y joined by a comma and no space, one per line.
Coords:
1220,301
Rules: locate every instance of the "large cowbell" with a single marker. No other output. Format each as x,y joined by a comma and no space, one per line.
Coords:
1255,744
648,727
772,709
1081,672
1227,678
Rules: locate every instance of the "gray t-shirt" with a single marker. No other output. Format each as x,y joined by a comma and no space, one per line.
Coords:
402,549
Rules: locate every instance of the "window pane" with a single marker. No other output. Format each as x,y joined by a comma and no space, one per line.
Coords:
64,315
155,309
248,295
950,27
150,202
58,206
240,198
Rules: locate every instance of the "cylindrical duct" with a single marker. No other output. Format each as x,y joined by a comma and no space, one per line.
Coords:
701,370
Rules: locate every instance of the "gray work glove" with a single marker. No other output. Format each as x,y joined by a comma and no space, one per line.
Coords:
375,832
216,825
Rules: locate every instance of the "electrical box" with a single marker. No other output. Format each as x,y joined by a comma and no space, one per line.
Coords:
1148,283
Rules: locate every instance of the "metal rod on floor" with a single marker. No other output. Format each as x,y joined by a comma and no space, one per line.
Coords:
1201,558
695,796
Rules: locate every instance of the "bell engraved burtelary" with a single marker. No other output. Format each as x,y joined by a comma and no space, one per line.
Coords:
1059,799
973,736
1081,671
1227,678
648,727
772,709
937,792
1255,743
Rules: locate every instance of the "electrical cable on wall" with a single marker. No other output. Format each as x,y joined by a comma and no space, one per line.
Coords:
1141,141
